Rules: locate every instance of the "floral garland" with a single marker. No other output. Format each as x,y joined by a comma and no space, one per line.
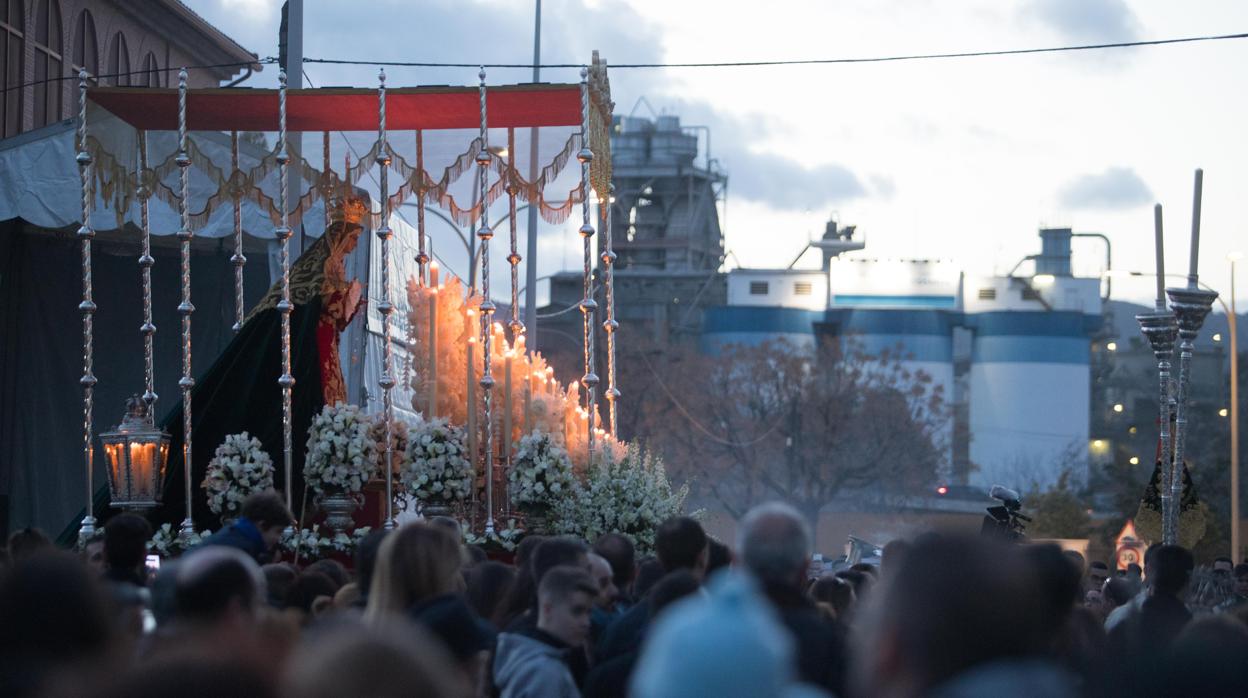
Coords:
239,467
309,544
435,469
341,458
167,542
504,538
630,496
541,474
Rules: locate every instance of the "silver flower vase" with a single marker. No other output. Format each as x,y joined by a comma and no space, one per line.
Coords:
338,509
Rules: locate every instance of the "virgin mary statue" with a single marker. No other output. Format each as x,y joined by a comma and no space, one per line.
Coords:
239,392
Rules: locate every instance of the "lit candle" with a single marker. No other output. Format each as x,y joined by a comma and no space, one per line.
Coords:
1161,258
506,440
433,273
528,401
1192,262
433,352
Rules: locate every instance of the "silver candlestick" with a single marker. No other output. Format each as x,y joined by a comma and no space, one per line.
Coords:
1191,305
1161,329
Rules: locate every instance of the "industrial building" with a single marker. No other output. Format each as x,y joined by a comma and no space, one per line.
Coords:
1010,353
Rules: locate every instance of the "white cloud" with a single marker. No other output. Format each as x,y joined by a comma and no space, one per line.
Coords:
1115,188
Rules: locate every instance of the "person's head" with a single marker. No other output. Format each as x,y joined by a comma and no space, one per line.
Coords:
894,552
718,556
1078,559
565,598
26,542
649,572
393,660
93,554
488,584
310,591
1223,566
525,548
332,569
1241,579
774,543
600,569
955,603
680,544
1057,576
1098,572
267,510
1134,572
417,562
366,558
727,643
278,578
125,541
218,585
1149,552
1208,659
561,550
835,592
618,550
476,554
1170,569
51,612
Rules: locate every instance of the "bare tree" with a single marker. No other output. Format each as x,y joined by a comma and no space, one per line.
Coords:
798,424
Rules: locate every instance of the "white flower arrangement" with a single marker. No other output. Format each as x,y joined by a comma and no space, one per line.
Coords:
309,544
239,467
341,457
435,468
541,474
166,542
631,496
506,538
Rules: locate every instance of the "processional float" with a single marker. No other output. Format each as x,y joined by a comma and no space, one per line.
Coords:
1181,321
586,107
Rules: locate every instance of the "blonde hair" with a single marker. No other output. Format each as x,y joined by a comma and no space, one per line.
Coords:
417,562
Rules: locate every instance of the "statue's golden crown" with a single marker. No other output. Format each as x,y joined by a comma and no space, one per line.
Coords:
350,209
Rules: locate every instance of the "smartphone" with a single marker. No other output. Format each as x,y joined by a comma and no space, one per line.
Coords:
153,564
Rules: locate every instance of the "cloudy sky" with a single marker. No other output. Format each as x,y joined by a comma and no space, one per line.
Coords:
962,159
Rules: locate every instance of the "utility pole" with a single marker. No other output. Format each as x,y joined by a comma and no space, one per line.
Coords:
290,50
1231,319
530,266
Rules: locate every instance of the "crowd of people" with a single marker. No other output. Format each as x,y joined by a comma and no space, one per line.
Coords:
419,613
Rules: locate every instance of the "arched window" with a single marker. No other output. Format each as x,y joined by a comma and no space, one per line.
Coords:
151,72
12,50
49,64
86,49
118,62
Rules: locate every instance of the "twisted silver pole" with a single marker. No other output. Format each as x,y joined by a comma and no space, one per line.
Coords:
517,327
422,258
87,308
185,308
238,259
487,310
588,305
1191,305
286,381
610,326
385,307
327,188
148,328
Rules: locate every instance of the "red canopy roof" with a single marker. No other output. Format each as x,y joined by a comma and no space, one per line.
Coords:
344,109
